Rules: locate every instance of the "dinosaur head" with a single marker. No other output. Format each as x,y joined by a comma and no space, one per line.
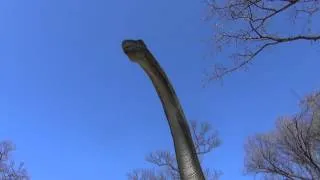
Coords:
134,49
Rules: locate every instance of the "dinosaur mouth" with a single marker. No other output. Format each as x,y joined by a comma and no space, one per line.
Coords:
133,45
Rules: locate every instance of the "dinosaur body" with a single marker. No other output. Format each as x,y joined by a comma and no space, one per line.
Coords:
187,160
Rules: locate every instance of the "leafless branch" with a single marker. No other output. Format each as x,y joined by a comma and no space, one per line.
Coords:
250,30
204,138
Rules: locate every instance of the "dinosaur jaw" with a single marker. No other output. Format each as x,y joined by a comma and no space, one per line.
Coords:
134,49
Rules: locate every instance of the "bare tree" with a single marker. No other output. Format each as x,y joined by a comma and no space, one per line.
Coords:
250,26
205,139
146,174
292,150
8,169
312,104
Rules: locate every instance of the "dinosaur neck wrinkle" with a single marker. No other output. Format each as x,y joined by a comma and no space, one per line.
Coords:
187,159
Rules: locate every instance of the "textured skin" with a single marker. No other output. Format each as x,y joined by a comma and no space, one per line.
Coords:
188,162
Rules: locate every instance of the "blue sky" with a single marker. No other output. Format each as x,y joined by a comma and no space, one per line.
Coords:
77,108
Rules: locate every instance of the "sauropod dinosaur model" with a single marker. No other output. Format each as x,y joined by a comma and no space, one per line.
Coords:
187,160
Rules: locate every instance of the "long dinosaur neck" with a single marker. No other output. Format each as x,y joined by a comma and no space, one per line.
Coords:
188,162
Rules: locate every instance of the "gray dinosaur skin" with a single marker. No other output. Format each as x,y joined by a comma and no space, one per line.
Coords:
187,160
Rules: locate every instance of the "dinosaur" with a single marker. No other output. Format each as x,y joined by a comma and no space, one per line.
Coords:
187,159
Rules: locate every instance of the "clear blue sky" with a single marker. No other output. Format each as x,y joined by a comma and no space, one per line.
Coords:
77,108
